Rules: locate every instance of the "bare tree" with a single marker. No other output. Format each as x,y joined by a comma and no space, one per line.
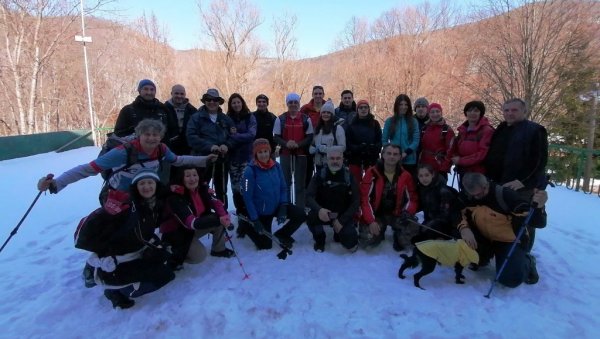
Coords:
33,31
231,26
534,45
356,32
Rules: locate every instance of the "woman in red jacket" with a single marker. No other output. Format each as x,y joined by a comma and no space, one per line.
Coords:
436,141
473,141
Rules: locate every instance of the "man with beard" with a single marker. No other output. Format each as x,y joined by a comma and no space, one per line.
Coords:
145,106
334,199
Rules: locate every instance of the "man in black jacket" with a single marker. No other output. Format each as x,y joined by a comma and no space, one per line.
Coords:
518,153
145,106
180,108
265,120
334,199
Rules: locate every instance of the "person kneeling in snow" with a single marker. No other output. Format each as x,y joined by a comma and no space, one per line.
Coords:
134,262
265,194
334,199
194,213
491,218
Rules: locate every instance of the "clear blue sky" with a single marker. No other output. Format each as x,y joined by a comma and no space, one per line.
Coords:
319,21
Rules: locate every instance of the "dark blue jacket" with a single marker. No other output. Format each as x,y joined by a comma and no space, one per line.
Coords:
202,133
243,138
263,190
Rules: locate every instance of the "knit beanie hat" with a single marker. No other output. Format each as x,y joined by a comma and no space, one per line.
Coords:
145,82
362,102
328,107
259,145
145,173
434,105
422,101
292,97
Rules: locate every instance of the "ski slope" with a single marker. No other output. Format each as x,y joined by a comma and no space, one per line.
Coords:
310,295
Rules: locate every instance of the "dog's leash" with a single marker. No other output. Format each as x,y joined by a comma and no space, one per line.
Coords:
431,229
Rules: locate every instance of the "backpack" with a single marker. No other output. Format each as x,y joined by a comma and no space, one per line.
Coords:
132,158
347,180
95,230
113,141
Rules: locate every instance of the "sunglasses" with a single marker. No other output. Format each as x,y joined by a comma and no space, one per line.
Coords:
211,100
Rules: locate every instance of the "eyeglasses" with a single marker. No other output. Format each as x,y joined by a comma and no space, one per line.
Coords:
178,93
363,107
417,106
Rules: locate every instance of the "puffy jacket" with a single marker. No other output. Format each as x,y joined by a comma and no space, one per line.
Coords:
263,189
518,152
372,187
472,145
499,215
299,129
435,145
363,141
243,139
327,140
408,143
202,133
140,109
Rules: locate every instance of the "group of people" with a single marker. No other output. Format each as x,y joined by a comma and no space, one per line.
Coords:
337,168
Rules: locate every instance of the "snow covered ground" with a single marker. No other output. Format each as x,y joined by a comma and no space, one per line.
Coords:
309,295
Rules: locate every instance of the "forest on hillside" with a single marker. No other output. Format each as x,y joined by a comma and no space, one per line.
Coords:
546,52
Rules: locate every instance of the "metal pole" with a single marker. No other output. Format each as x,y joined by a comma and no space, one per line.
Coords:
83,39
589,161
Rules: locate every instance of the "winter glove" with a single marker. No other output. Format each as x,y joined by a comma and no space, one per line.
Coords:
258,226
322,148
107,264
405,216
282,213
46,183
116,202
312,149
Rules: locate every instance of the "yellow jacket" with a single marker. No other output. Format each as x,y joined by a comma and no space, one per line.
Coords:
449,252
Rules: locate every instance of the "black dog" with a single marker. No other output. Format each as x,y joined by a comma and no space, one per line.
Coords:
428,263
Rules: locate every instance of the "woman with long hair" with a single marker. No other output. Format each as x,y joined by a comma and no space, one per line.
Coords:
402,129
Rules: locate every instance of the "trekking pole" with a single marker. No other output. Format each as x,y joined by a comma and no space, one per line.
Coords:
285,250
228,237
223,183
454,177
16,229
293,174
512,249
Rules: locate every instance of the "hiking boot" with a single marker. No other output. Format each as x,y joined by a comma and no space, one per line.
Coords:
286,241
88,276
319,247
533,276
118,299
226,253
